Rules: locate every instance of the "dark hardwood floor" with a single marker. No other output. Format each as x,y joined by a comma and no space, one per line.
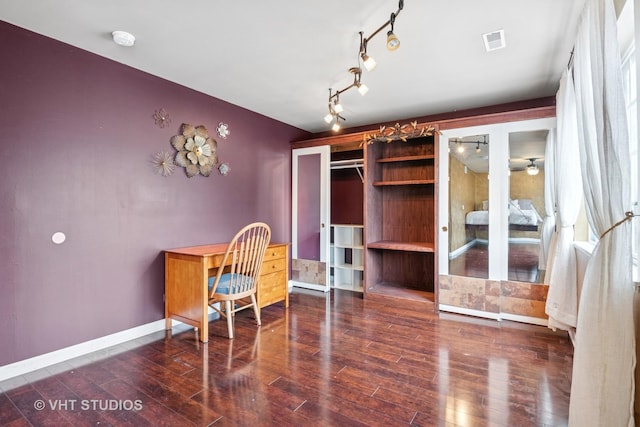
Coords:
332,360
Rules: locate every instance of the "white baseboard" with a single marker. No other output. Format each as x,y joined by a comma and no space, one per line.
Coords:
524,240
462,249
494,316
309,286
524,319
48,359
469,311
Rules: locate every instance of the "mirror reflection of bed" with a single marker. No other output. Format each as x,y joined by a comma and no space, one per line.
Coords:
469,205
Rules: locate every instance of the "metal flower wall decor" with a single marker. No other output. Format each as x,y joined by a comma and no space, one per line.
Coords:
161,118
224,169
399,133
163,163
223,130
197,151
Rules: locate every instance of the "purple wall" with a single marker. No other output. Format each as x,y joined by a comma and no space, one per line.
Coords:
77,139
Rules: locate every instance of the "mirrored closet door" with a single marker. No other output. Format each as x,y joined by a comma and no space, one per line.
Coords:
491,207
526,204
468,234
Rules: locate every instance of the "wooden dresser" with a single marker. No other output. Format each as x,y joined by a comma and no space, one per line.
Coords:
187,272
274,277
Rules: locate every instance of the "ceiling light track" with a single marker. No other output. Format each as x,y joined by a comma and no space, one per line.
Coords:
460,147
335,108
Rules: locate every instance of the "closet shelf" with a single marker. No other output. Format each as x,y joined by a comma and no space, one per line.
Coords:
406,158
395,245
405,182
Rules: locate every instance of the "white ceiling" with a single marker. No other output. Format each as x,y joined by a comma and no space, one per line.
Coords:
280,57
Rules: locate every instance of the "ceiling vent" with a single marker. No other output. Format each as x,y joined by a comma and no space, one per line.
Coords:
494,40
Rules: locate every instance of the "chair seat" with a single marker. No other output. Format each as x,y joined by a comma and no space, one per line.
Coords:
225,281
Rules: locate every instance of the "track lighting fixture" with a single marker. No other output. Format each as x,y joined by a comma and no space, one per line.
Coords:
335,108
460,144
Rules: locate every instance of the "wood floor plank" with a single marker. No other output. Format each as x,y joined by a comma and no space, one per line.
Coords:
329,359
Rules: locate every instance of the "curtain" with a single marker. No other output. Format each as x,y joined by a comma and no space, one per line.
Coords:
604,357
549,224
562,275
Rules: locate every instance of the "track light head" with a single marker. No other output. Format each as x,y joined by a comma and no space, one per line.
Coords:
368,62
362,88
336,126
392,41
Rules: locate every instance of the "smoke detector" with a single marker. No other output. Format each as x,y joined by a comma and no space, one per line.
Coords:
123,38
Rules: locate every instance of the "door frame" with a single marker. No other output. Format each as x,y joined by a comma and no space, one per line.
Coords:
325,212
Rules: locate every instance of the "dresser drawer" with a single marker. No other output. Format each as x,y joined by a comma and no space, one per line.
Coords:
271,266
275,252
272,288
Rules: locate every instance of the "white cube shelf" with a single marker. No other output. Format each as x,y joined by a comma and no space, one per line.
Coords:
347,256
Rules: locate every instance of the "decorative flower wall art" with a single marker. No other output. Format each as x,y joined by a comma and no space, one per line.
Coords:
223,130
224,168
163,163
197,151
162,118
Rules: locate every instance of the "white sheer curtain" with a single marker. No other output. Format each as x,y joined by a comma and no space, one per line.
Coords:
562,275
549,224
604,357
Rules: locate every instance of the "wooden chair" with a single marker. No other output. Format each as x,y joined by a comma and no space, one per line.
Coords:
234,286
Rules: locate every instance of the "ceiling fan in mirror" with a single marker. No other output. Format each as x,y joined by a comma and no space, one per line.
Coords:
532,167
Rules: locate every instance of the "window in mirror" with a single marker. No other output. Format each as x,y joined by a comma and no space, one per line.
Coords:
526,203
469,206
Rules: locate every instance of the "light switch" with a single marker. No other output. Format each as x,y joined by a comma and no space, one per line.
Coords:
58,237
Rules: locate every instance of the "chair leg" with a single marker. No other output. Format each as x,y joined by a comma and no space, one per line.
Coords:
227,305
256,310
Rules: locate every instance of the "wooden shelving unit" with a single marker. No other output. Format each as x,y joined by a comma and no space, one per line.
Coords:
400,218
347,256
